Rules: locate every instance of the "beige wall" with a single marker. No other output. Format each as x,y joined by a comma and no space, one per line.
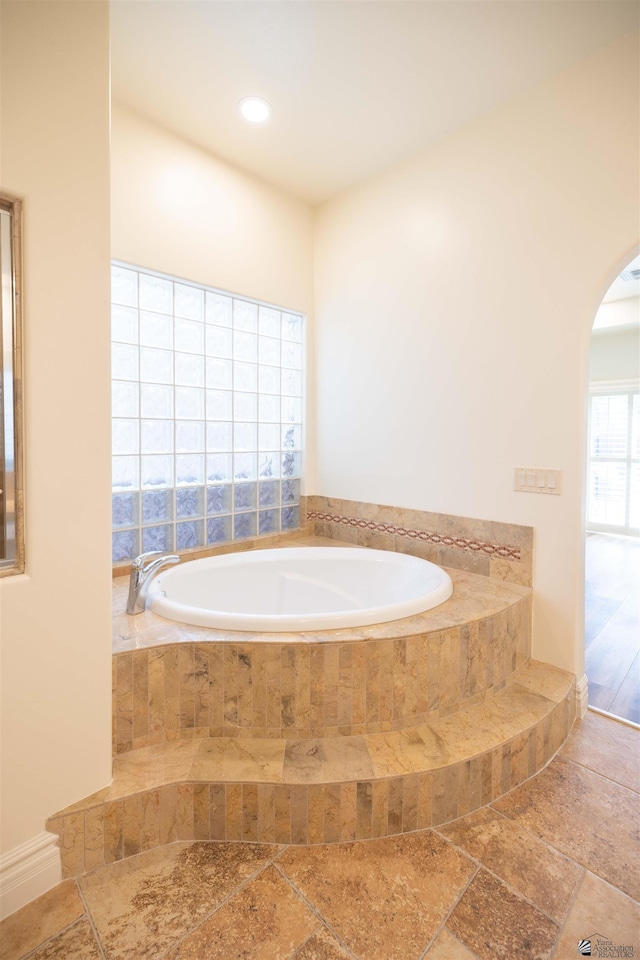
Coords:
180,210
615,354
432,385
54,620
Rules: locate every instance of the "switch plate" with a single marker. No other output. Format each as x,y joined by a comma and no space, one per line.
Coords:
537,480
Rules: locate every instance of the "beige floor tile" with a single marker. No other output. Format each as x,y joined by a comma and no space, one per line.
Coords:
327,761
266,919
600,911
75,943
385,898
321,946
446,947
141,906
239,760
590,819
498,925
41,919
527,864
607,747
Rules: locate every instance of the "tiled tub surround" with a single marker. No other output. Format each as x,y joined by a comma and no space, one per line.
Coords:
173,681
322,791
499,550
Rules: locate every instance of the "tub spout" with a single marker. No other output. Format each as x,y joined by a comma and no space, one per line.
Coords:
143,571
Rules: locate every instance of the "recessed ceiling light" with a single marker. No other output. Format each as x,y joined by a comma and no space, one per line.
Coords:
254,109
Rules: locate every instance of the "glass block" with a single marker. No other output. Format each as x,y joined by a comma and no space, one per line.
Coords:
291,383
268,379
188,302
156,330
291,464
245,406
268,436
218,467
189,468
244,525
269,521
190,502
290,491
156,436
156,401
269,322
244,466
124,324
157,505
158,538
218,529
245,377
219,437
124,361
157,471
218,309
244,496
269,493
125,509
189,370
156,294
218,374
125,473
156,366
124,286
245,316
125,436
189,534
290,518
124,545
245,346
218,342
189,436
125,400
189,336
219,405
291,410
269,409
269,464
269,351
189,403
292,436
291,355
219,499
291,327
245,436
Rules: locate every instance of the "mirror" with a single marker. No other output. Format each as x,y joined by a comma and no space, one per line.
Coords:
11,488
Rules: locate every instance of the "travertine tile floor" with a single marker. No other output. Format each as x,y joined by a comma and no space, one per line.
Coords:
551,863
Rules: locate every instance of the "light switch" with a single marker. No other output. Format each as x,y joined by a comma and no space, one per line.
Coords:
537,480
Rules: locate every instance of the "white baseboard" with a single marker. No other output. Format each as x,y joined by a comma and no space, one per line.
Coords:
582,696
28,871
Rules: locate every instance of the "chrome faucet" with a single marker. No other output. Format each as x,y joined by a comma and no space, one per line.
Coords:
142,573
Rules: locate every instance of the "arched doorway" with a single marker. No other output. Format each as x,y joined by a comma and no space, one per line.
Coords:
612,548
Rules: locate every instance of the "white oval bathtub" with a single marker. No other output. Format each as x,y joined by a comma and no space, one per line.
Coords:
298,588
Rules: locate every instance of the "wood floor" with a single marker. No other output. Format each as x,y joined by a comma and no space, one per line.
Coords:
612,624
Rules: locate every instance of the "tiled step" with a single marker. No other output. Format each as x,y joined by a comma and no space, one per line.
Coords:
322,790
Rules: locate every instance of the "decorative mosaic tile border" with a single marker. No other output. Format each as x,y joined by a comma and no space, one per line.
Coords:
475,546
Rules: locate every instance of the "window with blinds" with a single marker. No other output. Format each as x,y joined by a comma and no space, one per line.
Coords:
613,500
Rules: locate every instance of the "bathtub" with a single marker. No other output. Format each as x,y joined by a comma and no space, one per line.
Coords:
299,588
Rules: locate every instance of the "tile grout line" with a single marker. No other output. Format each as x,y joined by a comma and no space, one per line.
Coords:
315,910
91,922
572,903
39,946
230,896
584,766
443,925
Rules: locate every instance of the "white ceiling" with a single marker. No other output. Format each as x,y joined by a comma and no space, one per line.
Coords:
355,86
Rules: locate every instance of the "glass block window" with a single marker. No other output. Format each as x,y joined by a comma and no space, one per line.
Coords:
207,415
613,498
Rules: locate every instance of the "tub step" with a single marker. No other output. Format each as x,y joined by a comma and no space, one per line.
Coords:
322,790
